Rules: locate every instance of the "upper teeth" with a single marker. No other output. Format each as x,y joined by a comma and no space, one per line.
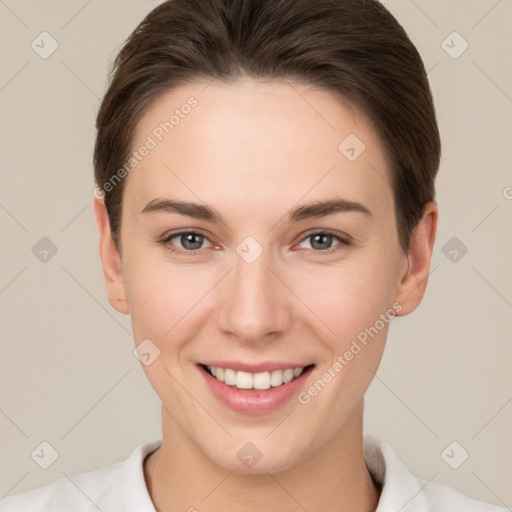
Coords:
245,380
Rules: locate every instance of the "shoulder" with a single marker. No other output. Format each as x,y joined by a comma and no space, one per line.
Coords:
110,487
442,498
78,492
401,490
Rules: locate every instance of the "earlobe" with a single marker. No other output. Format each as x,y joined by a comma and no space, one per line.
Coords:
110,259
412,286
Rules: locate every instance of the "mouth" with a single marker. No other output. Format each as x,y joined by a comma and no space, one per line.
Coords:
255,381
248,393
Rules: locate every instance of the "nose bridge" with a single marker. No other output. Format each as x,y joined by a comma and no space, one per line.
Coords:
254,304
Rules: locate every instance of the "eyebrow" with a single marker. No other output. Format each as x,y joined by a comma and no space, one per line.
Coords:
306,211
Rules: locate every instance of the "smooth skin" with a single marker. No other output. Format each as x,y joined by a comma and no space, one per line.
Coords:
254,150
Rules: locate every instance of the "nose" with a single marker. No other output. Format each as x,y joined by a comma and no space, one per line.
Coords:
255,305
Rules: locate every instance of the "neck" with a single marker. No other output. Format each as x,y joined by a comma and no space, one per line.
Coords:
334,478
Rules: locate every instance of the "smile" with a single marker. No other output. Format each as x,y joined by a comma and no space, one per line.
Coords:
260,380
258,392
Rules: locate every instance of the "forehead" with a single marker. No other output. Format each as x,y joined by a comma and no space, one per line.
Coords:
257,143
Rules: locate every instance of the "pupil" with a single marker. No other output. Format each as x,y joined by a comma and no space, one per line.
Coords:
320,236
189,238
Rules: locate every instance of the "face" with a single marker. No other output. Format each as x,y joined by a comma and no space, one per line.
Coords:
265,282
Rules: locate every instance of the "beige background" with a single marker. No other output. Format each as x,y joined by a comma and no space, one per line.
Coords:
68,374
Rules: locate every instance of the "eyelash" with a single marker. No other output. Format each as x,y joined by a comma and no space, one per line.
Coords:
167,239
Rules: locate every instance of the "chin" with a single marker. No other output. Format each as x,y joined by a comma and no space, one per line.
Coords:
258,457
262,467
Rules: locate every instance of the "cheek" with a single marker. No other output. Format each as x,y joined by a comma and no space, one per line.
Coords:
350,295
355,302
165,299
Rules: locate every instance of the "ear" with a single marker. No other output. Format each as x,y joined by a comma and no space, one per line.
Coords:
110,259
412,286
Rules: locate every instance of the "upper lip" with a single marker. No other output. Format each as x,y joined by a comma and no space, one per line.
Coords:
255,368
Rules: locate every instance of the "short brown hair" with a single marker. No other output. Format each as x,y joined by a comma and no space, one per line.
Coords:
353,48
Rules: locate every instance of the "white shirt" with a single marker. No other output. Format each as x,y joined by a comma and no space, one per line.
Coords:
120,487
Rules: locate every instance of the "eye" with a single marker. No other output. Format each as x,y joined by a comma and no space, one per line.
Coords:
321,241
190,241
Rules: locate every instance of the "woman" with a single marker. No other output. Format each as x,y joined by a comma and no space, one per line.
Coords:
265,206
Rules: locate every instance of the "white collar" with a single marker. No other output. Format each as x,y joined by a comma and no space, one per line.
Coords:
400,489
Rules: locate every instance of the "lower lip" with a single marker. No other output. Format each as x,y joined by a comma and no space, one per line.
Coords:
254,402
